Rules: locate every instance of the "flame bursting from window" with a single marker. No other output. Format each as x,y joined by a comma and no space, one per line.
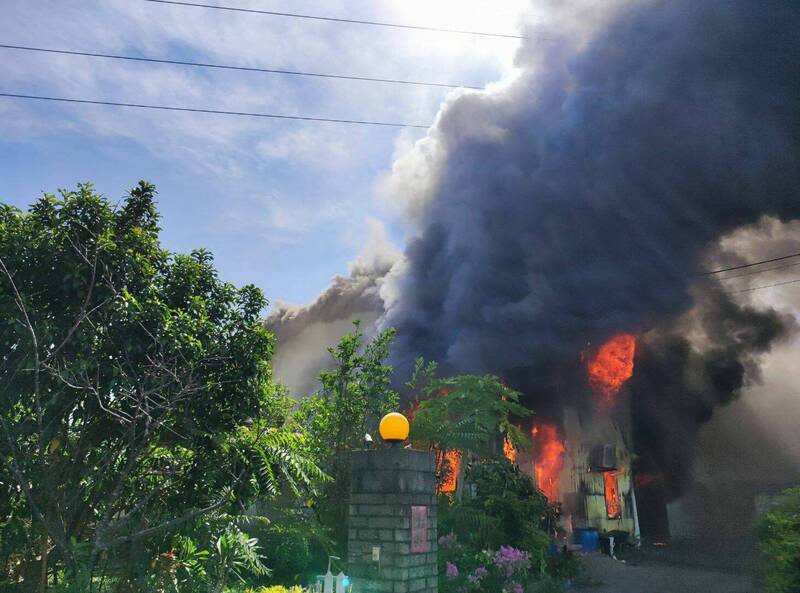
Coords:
549,459
448,464
611,366
509,450
613,501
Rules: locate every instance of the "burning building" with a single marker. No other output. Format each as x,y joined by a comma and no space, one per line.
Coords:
584,464
580,204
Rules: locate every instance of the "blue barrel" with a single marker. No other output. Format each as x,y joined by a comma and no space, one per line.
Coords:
589,539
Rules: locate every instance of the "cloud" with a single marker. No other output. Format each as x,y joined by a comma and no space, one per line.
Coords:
315,146
174,31
307,166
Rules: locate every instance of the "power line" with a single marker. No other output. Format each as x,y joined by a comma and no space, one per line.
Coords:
766,286
217,111
339,20
357,122
793,265
750,265
231,67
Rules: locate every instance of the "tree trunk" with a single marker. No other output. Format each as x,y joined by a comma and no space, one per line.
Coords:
45,553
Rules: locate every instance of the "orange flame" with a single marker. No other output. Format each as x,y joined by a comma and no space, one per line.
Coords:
612,365
509,450
549,459
449,462
613,501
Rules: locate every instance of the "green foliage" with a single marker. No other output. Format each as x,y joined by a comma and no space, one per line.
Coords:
469,414
190,559
228,556
353,396
182,568
235,553
290,552
136,391
277,589
779,538
504,508
275,458
294,542
466,413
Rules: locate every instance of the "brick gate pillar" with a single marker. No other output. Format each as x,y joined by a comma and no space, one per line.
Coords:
392,544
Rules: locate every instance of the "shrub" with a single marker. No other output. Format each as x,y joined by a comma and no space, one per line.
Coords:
289,552
507,570
504,509
494,537
277,589
779,539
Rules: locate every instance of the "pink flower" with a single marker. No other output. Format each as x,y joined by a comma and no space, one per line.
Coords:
452,571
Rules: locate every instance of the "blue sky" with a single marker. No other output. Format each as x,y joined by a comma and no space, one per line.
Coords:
283,205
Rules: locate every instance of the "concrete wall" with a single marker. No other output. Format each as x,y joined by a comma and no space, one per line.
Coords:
385,485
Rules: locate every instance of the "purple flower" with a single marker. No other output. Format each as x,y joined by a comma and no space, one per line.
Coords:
447,540
477,575
510,561
516,588
452,571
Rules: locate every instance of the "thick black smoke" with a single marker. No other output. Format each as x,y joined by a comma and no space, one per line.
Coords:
687,368
580,200
577,202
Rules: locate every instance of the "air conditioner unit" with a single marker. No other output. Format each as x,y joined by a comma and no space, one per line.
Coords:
603,458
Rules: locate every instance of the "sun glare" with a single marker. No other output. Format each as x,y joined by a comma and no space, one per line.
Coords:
483,15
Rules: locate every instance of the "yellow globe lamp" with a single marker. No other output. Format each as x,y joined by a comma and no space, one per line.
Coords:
394,427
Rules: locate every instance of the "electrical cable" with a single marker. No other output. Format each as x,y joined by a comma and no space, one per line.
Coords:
337,20
794,265
766,286
216,111
750,265
232,67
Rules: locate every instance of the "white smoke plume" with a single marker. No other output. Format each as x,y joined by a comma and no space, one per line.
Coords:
304,333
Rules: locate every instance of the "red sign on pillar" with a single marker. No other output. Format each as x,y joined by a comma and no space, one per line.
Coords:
419,530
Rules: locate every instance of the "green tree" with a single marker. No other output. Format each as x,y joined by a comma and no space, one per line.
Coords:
779,538
136,386
470,414
506,509
353,396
